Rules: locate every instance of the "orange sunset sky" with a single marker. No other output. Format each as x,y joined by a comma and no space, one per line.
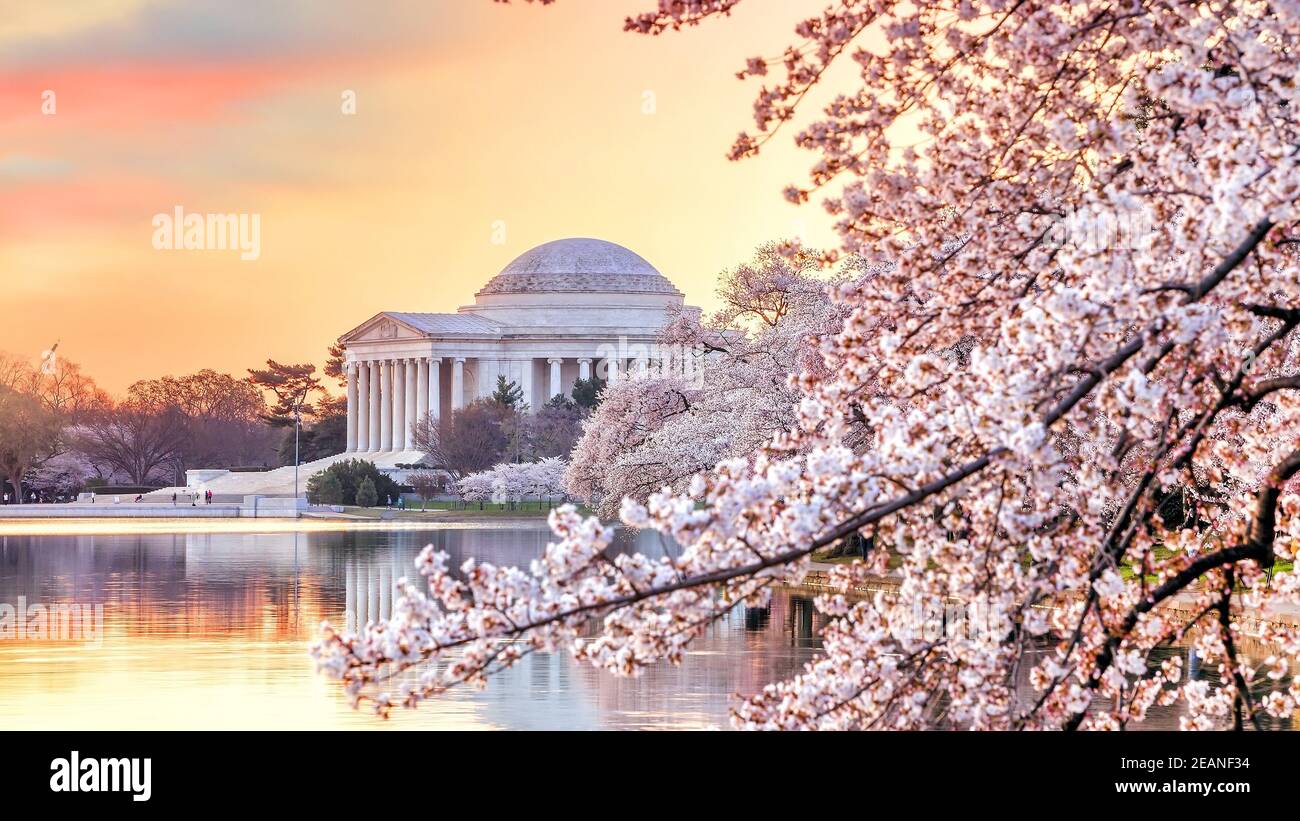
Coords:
467,113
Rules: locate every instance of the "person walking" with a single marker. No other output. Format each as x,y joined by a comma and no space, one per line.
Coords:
173,499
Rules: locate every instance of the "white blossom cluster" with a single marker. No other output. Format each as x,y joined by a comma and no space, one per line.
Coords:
515,482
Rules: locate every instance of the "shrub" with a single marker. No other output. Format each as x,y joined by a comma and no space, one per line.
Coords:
350,473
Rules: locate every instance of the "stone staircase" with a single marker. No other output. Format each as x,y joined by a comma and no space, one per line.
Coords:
228,486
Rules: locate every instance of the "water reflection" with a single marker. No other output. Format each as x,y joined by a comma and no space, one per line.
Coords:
209,630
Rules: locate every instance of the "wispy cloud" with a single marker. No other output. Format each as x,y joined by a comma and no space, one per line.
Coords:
469,114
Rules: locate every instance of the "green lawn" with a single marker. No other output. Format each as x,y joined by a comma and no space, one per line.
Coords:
1162,553
895,559
459,510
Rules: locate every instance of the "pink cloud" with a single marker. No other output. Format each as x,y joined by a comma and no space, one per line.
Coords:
136,96
42,207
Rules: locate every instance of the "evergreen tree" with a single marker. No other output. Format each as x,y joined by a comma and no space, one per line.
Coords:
292,386
366,495
508,394
328,491
586,392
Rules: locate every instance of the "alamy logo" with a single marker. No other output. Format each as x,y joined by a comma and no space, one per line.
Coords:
75,774
208,232
651,360
61,621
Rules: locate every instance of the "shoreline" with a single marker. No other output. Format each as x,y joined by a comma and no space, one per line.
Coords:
312,521
1253,620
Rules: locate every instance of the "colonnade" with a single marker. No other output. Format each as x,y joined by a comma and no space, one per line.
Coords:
388,396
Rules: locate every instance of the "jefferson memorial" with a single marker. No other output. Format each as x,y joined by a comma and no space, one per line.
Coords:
566,310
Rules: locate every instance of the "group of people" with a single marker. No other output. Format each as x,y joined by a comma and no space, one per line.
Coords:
193,497
18,499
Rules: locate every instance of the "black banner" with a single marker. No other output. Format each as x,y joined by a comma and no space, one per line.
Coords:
143,772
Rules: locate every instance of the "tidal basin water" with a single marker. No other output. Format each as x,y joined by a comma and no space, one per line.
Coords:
209,630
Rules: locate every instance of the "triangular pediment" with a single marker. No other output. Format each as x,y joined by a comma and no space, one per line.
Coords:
381,328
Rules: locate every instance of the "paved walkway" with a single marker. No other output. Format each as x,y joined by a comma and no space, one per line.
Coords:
279,481
127,508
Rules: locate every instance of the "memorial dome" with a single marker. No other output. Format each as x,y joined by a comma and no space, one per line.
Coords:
579,264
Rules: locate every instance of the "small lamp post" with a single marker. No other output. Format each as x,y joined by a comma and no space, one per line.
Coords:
297,428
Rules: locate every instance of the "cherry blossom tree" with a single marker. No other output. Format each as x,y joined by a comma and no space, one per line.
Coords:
515,482
476,487
1147,349
662,428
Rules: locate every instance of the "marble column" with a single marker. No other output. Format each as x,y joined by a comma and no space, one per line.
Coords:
458,383
361,587
386,405
363,406
412,402
421,390
376,403
614,370
399,404
350,594
556,384
488,371
584,369
372,575
526,381
435,387
352,407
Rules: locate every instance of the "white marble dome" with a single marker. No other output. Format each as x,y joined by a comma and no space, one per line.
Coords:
579,264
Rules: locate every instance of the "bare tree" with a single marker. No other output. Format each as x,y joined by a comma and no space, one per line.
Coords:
224,416
42,404
136,438
470,440
425,483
